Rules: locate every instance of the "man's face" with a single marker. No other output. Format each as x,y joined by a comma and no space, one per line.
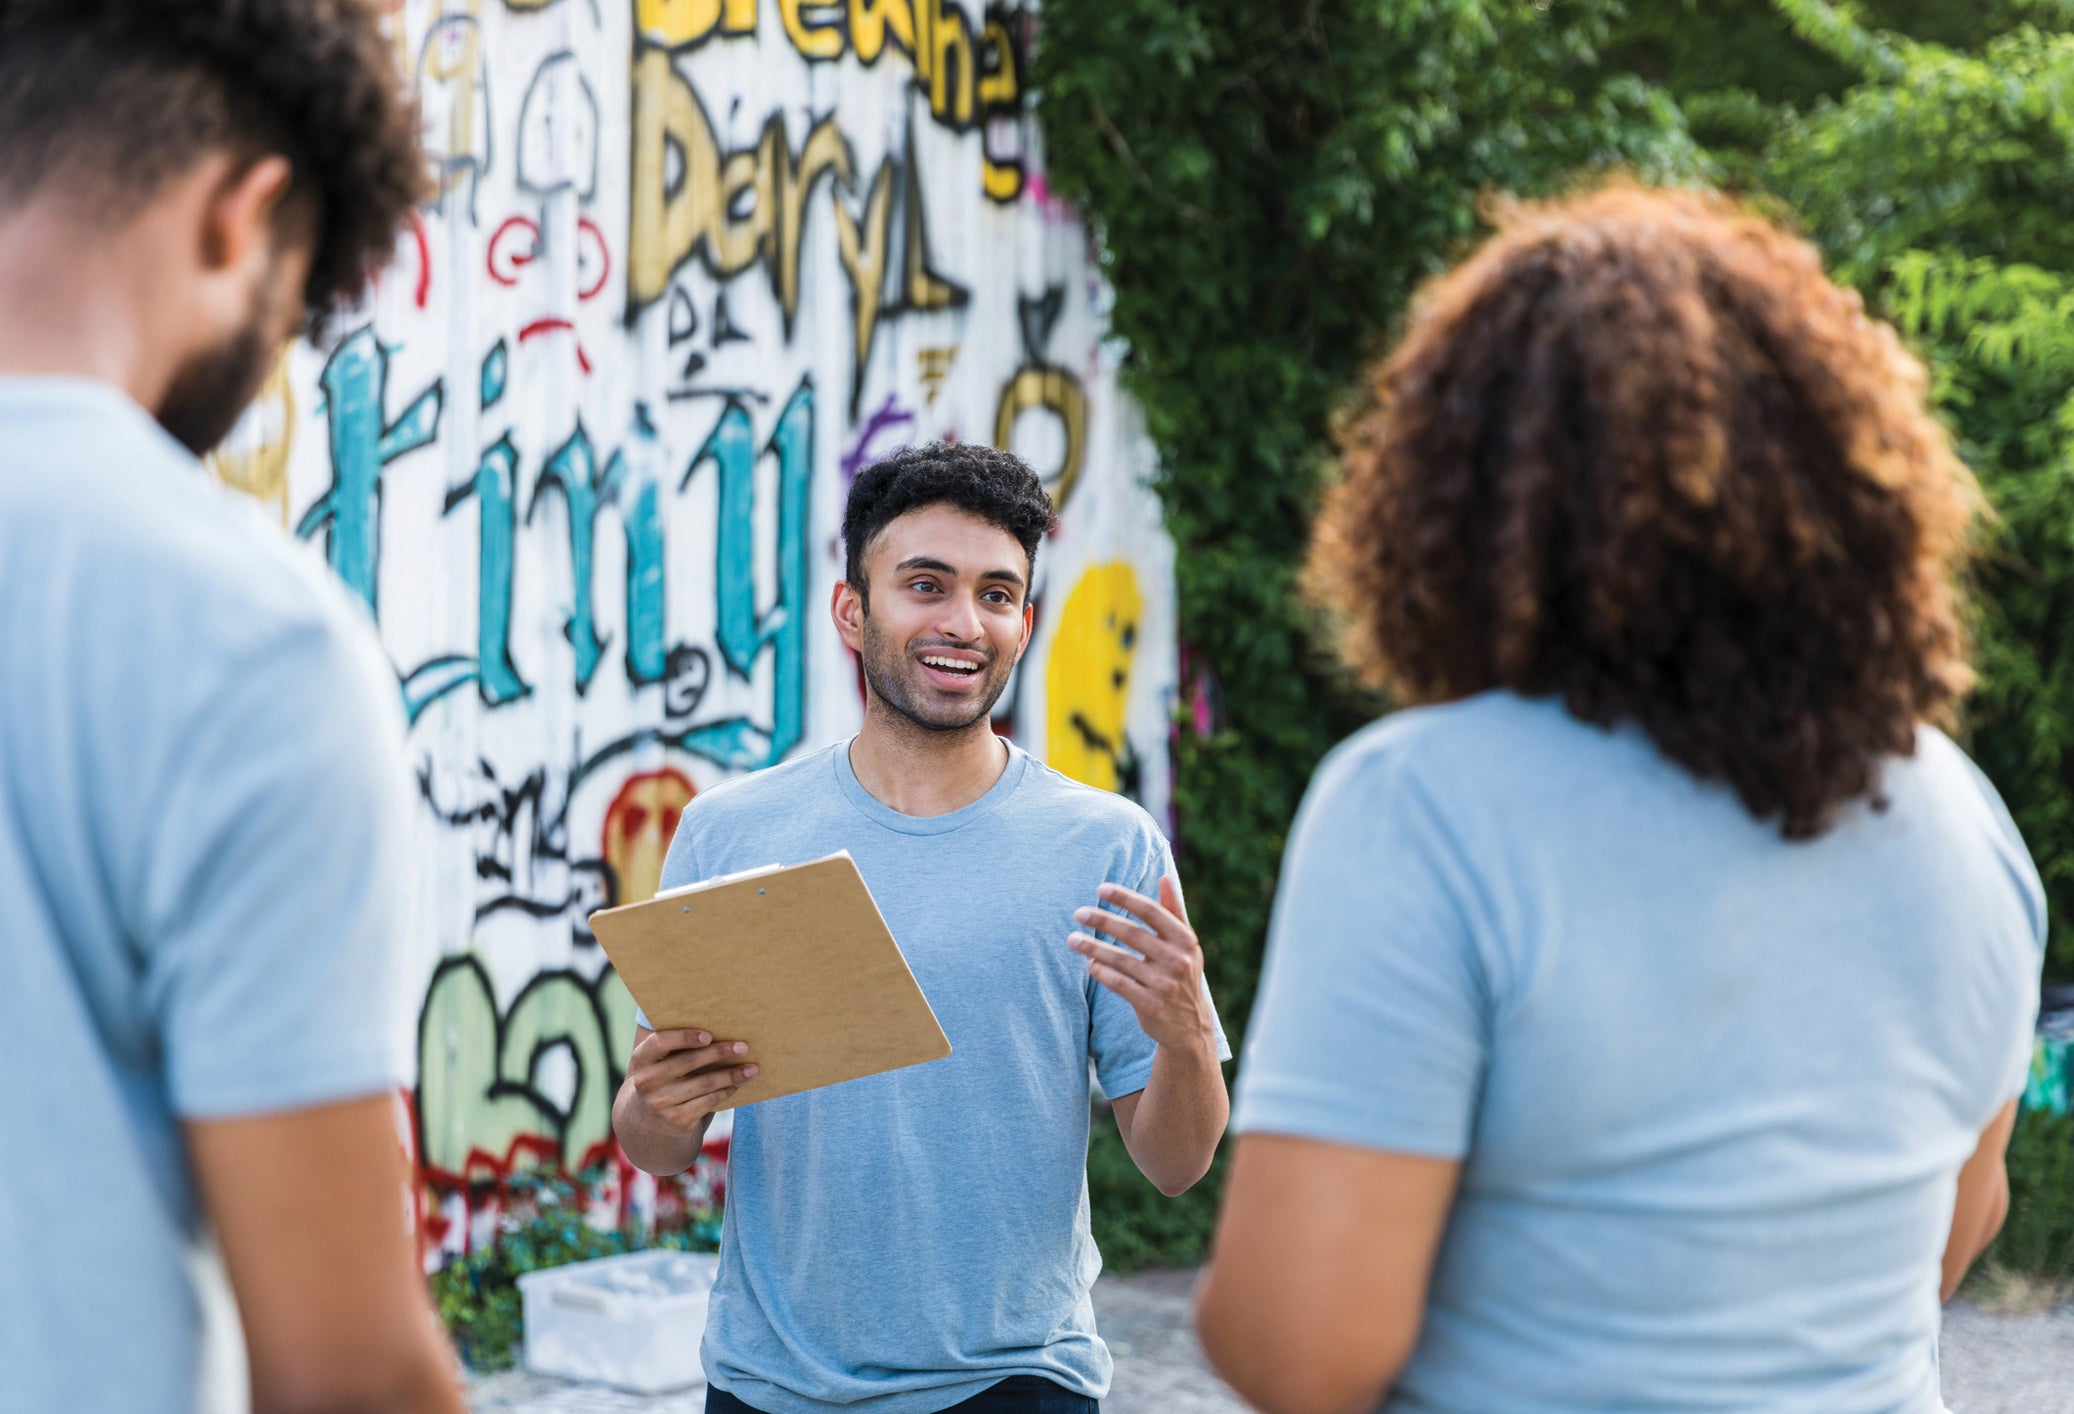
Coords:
214,387
946,617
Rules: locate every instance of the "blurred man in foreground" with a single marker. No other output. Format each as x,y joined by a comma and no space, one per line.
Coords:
201,819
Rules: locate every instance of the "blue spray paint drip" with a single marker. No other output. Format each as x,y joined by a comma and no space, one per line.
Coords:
495,477
356,382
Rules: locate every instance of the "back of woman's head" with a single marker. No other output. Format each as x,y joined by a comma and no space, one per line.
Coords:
1638,452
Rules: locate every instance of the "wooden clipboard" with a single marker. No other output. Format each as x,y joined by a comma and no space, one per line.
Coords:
796,961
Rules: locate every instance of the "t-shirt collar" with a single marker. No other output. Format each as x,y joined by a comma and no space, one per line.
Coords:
880,813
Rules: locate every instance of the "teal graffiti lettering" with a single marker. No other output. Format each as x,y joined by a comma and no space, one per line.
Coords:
647,647
356,383
496,676
744,633
586,487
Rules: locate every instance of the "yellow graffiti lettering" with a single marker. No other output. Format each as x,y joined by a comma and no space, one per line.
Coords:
862,246
680,24
1001,181
664,225
1087,679
814,32
872,20
737,235
743,208
922,288
934,365
739,208
451,92
254,458
949,57
967,77
1000,94
1053,390
823,153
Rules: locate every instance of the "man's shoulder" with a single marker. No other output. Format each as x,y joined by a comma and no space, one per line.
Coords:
99,491
1062,803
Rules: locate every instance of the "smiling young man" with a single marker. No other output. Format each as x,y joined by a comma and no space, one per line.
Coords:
918,1241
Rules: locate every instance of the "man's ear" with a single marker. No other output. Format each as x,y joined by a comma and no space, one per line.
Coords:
847,609
239,224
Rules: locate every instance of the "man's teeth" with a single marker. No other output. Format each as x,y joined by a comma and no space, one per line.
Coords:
950,665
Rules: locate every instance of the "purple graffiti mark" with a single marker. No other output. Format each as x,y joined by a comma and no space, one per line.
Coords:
889,416
1041,194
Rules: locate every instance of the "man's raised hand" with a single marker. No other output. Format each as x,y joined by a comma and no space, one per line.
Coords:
1164,983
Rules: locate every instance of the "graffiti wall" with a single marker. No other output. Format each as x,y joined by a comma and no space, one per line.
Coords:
692,264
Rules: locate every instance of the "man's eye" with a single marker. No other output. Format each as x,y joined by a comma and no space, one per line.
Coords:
926,585
999,596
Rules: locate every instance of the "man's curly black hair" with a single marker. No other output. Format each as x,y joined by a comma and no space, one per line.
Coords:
113,98
984,482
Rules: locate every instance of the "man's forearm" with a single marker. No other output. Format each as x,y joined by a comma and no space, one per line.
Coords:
1179,1117
651,1145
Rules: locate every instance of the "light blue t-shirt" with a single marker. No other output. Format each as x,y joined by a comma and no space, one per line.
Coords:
201,875
1711,1089
896,1244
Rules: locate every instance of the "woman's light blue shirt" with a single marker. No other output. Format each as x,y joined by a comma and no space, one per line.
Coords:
1711,1089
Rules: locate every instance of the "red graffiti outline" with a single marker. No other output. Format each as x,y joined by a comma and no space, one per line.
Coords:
550,325
505,269
424,243
604,259
518,262
483,1170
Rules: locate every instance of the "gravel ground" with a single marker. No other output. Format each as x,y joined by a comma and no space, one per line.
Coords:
2001,1364
1993,1363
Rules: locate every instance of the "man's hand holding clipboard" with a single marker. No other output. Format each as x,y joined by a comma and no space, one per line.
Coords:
684,1077
794,966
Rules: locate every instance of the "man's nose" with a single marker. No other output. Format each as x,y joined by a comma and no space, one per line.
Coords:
959,618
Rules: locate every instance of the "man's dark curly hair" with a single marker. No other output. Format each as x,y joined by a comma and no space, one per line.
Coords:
984,482
1641,454
112,98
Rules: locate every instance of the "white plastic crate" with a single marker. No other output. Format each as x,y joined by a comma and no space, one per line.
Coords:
633,1321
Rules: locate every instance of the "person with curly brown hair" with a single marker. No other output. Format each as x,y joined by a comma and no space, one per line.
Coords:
1646,1001
202,785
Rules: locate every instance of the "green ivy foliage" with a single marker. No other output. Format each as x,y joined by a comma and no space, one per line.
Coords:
1941,184
1270,183
2038,1237
544,1225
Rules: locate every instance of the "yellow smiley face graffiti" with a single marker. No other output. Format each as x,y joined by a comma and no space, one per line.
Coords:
1088,679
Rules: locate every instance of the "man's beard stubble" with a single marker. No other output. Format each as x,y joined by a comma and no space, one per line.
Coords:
889,673
211,392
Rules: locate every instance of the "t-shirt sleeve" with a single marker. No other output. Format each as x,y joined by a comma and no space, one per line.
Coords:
1117,1044
680,867
273,915
2030,890
1372,1024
